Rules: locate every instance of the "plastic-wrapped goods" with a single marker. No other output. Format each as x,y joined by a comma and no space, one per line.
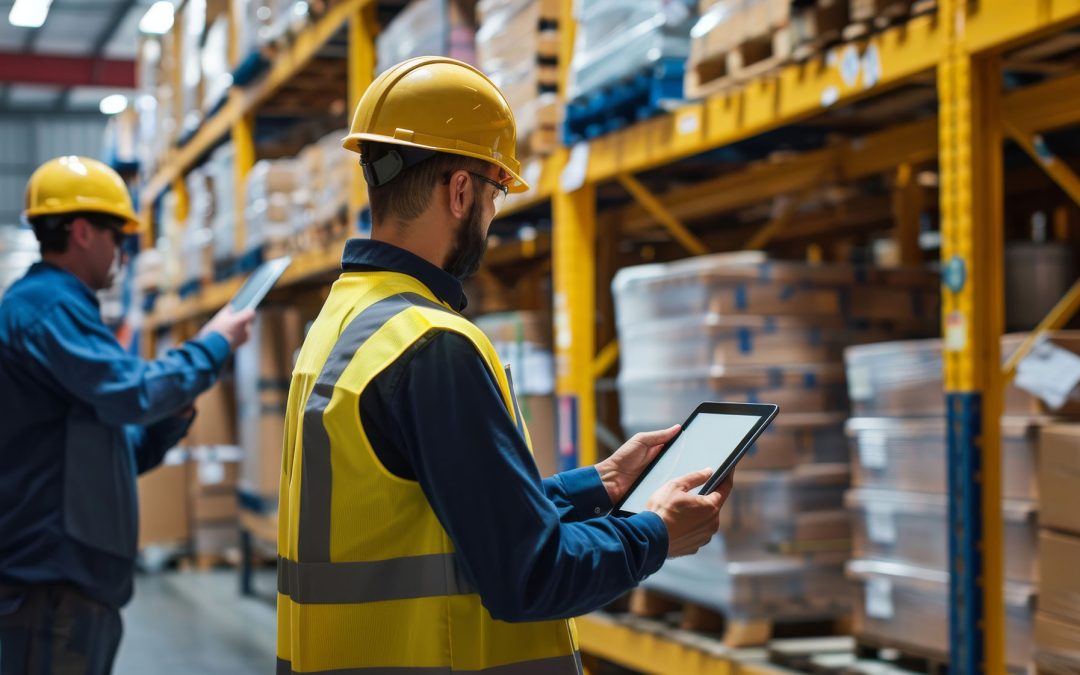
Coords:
740,284
273,215
1057,645
774,587
908,607
216,74
428,27
911,454
523,342
148,266
798,438
193,24
221,170
616,39
663,400
905,378
912,528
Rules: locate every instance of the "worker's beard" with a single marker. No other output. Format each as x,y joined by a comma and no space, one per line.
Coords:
470,245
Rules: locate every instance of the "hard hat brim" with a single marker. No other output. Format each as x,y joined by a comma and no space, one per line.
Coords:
352,143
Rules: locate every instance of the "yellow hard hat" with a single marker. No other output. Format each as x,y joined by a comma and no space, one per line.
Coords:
73,184
439,104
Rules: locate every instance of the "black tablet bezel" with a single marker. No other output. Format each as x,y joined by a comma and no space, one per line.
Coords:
766,413
268,284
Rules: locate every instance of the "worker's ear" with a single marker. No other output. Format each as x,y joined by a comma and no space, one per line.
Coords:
461,193
81,234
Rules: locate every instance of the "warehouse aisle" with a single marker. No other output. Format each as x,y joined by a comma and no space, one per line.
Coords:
195,623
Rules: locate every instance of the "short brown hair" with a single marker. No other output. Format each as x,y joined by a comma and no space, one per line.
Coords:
409,193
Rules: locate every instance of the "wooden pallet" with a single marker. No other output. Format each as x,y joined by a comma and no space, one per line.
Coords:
813,655
870,16
818,27
751,59
907,657
733,632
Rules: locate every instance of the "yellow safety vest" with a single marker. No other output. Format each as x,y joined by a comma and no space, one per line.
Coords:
368,581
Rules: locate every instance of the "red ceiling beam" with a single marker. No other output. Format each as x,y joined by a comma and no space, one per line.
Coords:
66,71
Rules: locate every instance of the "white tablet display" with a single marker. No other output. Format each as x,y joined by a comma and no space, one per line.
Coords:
707,442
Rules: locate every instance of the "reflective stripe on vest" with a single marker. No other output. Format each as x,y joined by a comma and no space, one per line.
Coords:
554,665
421,576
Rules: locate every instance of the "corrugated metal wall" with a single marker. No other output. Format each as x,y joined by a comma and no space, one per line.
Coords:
26,142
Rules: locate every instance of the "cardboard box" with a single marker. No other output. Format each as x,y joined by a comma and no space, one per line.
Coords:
216,507
215,539
1059,477
1057,645
539,414
794,439
1059,558
164,517
215,418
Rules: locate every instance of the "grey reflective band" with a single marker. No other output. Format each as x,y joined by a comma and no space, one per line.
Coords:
556,665
313,544
343,583
513,397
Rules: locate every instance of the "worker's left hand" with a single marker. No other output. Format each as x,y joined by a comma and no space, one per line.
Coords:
619,471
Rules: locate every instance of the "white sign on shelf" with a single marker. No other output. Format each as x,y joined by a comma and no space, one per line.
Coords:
1049,372
872,449
879,601
577,166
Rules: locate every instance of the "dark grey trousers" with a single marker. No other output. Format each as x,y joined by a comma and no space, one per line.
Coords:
46,630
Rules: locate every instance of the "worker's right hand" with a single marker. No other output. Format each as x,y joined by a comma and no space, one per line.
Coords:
691,519
234,326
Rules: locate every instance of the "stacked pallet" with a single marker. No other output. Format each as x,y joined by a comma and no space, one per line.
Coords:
737,40
628,64
745,329
426,28
523,342
899,500
517,46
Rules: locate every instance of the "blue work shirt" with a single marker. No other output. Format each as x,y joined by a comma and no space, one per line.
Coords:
81,418
534,549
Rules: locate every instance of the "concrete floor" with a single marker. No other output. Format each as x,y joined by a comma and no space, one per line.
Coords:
195,622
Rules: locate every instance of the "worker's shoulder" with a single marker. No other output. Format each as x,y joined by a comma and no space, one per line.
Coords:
28,304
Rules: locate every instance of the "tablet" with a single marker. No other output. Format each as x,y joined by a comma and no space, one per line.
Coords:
259,283
716,434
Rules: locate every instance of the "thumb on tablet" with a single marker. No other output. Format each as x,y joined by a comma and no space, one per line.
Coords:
693,480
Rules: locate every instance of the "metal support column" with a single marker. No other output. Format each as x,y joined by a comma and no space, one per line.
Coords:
972,304
574,271
243,139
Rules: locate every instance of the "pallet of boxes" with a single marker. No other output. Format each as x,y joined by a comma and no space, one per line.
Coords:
743,328
263,371
517,46
523,342
900,508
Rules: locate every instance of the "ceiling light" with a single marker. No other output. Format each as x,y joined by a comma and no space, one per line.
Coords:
113,104
158,19
29,13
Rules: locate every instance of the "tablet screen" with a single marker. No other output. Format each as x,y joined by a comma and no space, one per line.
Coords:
708,441
259,283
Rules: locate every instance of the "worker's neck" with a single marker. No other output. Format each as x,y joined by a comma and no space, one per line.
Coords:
423,240
70,264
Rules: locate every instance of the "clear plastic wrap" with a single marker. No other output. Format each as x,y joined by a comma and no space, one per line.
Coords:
427,27
771,587
273,213
910,454
908,608
906,378
912,528
660,401
616,39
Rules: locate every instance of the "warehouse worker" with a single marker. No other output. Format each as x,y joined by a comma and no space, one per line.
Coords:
415,530
81,418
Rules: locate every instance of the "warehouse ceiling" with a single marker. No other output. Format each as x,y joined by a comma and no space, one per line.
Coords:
83,52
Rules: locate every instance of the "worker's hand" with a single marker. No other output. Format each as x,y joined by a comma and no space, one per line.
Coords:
234,326
691,519
619,471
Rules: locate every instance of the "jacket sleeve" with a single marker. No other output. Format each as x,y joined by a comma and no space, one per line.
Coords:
578,494
122,389
152,442
527,562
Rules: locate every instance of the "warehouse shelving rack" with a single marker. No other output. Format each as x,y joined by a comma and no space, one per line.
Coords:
959,49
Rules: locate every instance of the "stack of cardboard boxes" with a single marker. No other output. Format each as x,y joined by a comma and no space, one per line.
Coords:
427,28
742,328
899,504
517,46
523,342
1057,623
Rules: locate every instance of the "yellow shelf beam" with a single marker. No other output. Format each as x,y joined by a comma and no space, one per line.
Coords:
657,210
1060,315
287,64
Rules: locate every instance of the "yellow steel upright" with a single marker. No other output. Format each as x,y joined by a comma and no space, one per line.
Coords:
972,305
573,217
363,28
243,139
